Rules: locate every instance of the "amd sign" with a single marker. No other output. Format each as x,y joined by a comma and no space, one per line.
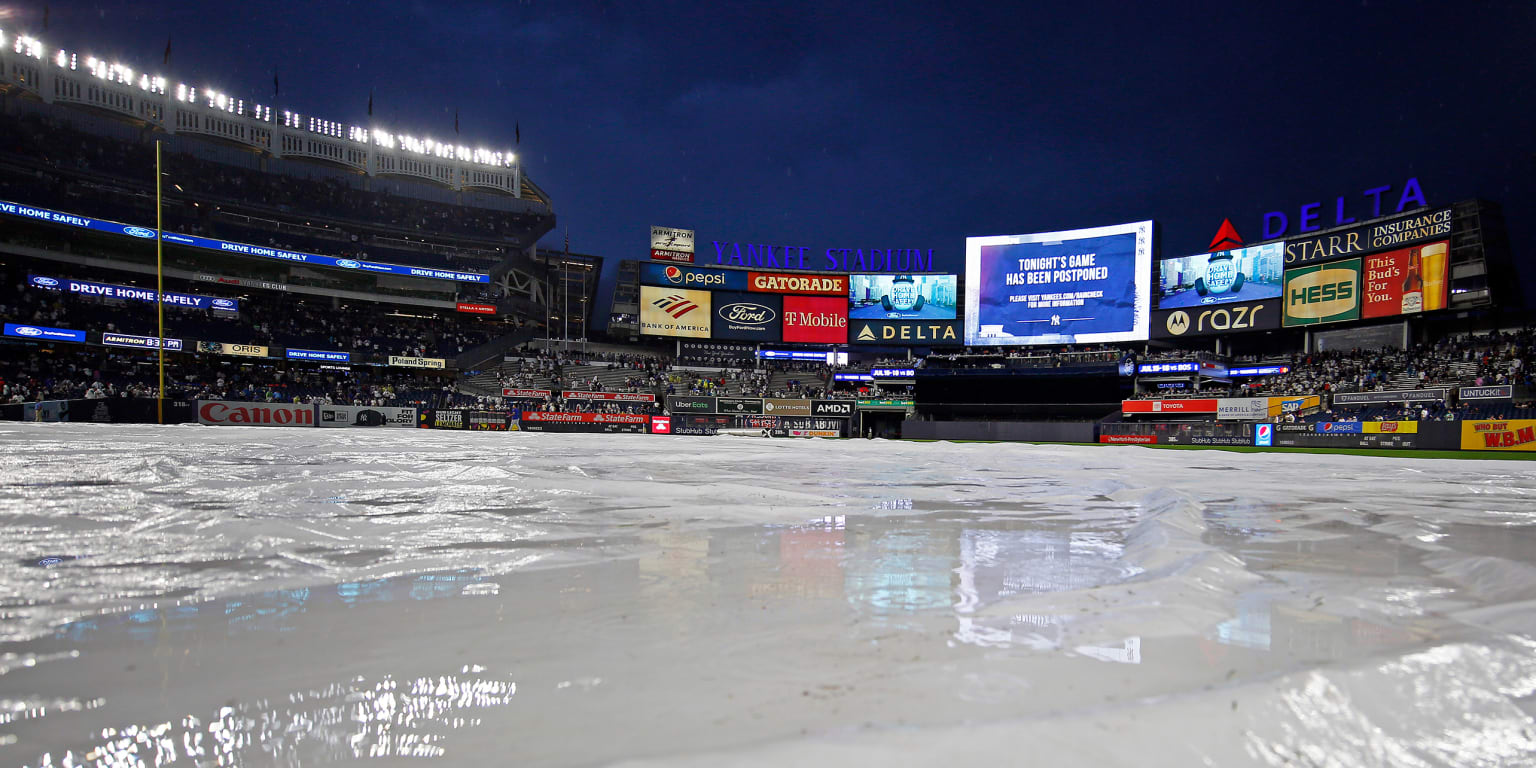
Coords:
843,408
1209,321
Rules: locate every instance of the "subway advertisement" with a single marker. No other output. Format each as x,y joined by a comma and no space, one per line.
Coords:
1079,286
1324,293
1223,277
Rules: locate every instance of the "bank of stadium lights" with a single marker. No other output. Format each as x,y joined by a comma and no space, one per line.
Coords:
29,46
119,73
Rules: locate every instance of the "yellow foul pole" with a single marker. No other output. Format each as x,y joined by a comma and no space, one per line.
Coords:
159,291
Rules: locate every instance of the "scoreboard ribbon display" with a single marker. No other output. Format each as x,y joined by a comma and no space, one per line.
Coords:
226,246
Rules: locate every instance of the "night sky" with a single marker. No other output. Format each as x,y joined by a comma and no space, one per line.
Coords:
904,126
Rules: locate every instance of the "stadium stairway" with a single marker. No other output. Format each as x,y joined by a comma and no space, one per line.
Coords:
579,377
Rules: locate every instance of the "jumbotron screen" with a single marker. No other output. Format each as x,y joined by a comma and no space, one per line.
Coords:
1244,274
902,297
1075,287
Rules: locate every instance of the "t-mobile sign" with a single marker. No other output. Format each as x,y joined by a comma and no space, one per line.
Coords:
816,319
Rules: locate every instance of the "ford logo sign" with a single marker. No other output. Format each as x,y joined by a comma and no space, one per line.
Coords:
148,234
747,313
348,263
46,282
27,330
223,303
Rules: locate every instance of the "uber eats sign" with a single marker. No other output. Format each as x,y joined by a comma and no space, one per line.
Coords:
1324,293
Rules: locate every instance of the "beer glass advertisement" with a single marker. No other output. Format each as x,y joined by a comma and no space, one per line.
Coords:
1223,277
1405,281
902,297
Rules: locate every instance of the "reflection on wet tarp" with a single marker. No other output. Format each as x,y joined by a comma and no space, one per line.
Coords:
353,719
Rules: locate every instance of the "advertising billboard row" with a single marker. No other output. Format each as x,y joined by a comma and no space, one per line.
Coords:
1406,281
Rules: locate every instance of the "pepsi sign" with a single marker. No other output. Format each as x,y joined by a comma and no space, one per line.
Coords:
747,316
674,276
1264,435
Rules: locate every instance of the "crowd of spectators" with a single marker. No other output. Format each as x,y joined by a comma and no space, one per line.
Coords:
264,319
84,172
67,372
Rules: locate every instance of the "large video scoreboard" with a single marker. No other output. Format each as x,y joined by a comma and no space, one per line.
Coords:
1072,287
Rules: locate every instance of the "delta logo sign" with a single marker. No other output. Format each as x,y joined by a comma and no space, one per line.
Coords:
1372,203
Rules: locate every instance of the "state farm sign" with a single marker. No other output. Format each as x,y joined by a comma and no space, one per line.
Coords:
255,414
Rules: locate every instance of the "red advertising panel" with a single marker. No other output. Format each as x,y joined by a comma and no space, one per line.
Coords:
534,394
476,309
586,418
816,320
255,414
626,397
661,425
820,285
1169,406
1405,281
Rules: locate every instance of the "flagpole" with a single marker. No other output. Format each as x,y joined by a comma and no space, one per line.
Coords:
159,289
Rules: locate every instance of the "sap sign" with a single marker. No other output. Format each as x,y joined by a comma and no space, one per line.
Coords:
674,276
43,332
1309,217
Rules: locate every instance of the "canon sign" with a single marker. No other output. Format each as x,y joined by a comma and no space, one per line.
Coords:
255,414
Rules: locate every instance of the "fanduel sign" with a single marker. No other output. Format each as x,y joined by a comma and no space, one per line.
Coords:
733,254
